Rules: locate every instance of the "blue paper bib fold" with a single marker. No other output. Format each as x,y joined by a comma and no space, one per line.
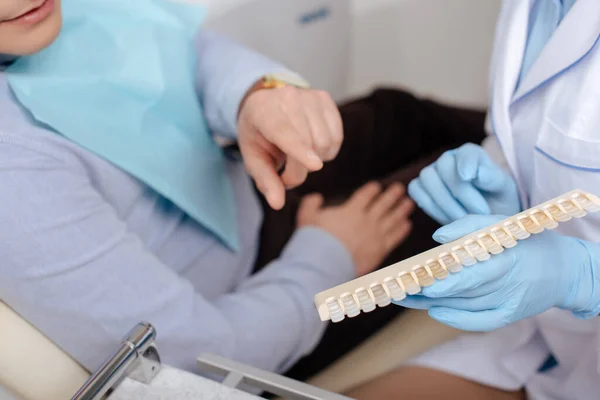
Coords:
119,81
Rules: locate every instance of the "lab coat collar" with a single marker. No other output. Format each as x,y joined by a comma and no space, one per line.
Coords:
572,40
511,37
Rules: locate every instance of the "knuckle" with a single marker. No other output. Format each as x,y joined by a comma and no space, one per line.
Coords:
450,153
397,188
468,150
321,141
375,187
323,95
321,149
428,172
470,146
413,186
447,160
338,138
289,93
295,180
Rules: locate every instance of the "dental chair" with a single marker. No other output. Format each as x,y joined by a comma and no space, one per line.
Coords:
33,368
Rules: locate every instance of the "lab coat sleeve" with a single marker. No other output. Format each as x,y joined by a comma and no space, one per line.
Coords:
72,269
225,72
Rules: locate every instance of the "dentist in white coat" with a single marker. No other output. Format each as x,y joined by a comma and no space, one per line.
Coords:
538,302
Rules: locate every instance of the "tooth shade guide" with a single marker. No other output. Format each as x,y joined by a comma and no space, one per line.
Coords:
451,256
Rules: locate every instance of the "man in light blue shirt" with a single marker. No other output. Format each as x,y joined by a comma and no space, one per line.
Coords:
89,250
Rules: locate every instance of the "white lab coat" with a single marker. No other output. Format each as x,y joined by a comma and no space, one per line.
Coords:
549,133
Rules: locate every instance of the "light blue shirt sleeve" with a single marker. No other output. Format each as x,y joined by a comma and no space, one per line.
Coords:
225,72
72,268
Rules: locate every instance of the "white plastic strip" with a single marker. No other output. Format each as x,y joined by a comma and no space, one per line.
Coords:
408,276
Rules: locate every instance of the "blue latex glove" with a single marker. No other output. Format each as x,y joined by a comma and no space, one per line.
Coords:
544,271
464,181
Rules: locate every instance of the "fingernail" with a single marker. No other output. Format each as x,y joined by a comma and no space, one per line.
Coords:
441,316
467,174
439,234
440,238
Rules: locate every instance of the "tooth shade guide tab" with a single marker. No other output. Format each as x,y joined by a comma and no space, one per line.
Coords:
411,286
516,230
335,310
437,270
557,213
450,262
544,219
464,256
572,209
380,295
400,279
424,277
584,202
351,306
503,237
478,252
394,289
490,244
367,304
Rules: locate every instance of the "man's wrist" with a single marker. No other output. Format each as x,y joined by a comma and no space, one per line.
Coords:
274,81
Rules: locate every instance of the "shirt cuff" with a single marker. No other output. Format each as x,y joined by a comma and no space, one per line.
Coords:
225,71
234,92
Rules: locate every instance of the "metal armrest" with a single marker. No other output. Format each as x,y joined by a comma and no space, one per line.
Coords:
137,358
236,373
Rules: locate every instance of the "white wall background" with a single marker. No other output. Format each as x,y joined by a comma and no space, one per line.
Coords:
437,48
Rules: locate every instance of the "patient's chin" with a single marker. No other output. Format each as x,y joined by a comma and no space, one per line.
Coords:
34,40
